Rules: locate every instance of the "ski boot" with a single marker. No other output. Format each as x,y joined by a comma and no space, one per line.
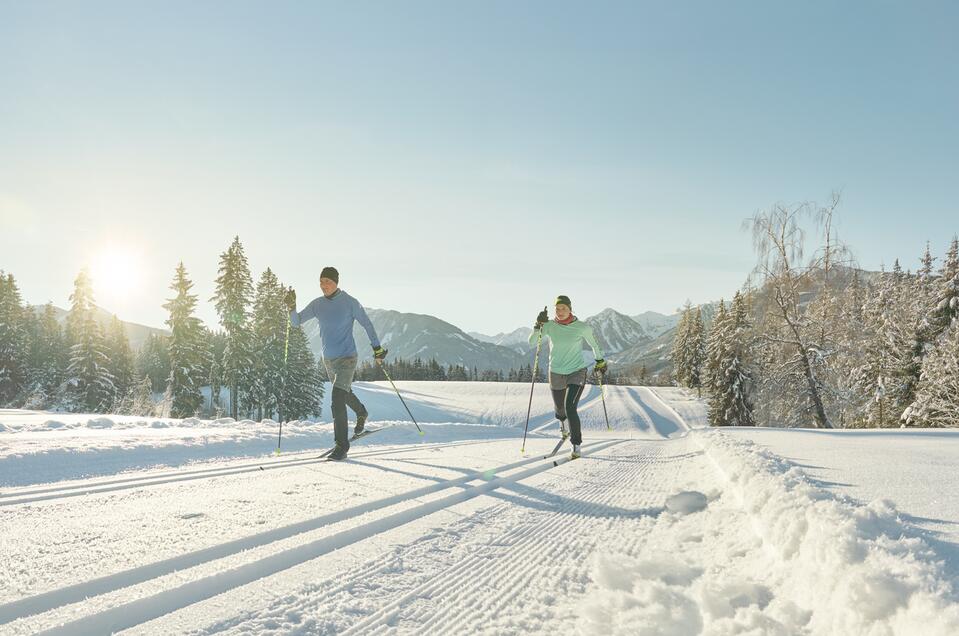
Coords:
576,454
360,425
338,454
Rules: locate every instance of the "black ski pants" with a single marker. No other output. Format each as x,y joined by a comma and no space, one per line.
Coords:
341,400
566,400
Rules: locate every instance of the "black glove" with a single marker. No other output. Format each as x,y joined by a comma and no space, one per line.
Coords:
290,299
379,352
601,367
542,318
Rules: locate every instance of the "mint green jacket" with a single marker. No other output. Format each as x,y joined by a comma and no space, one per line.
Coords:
566,345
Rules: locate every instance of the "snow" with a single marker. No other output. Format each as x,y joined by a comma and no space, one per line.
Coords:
662,527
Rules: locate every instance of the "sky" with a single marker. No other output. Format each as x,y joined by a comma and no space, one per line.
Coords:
468,160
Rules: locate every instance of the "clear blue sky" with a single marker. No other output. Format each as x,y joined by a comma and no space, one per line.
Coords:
466,160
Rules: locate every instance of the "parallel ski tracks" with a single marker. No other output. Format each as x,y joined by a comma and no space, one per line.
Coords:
136,612
24,496
540,549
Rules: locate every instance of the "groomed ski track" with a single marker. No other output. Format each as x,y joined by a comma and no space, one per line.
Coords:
456,537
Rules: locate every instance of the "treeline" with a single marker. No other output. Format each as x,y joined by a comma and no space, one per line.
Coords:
81,367
431,370
818,342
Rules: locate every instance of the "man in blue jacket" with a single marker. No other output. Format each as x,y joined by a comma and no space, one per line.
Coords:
336,310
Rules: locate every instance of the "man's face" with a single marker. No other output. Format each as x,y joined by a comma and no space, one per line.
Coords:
328,285
563,311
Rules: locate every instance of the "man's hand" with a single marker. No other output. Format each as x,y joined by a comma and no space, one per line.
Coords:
290,299
601,367
379,353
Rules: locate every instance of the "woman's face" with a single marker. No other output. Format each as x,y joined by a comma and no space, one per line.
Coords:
562,312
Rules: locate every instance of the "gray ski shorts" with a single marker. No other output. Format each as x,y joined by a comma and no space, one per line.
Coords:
341,371
559,381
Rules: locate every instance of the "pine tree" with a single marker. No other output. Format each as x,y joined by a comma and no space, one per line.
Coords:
121,357
946,303
90,381
153,361
13,340
730,402
233,297
303,389
217,346
681,345
712,373
270,319
48,356
937,396
696,353
186,348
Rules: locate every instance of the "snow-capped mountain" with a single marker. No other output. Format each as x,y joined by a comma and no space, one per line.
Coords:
655,323
517,340
615,331
409,336
136,333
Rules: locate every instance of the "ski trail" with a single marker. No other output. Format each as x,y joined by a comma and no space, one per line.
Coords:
79,490
73,593
537,539
144,609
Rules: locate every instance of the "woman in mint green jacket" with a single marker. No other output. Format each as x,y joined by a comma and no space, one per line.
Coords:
567,372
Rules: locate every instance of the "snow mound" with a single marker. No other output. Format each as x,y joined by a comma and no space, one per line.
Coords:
224,420
3,429
686,502
639,597
100,422
159,424
52,425
855,565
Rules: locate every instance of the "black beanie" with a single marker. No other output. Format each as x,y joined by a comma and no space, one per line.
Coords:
564,300
331,273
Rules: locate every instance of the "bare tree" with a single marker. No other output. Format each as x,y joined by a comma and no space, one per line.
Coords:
797,330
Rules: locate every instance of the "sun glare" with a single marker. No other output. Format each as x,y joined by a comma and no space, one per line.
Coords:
115,272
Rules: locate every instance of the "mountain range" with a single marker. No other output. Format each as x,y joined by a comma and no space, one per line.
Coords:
627,341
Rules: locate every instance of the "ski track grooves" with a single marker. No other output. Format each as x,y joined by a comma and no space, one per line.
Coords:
534,546
144,609
78,490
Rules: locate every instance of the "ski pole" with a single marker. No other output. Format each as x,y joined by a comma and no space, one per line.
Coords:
599,376
286,355
386,373
532,385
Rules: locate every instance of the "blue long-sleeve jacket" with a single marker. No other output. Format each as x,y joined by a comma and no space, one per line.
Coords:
336,315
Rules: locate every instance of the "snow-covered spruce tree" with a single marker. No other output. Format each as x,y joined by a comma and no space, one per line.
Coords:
680,352
878,369
186,348
945,309
730,380
48,357
270,320
303,389
89,381
937,396
13,340
153,361
921,299
696,352
217,345
233,297
121,357
715,344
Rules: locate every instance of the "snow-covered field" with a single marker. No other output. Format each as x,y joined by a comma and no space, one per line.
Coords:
663,527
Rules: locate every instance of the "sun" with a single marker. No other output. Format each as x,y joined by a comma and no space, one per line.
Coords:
115,271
